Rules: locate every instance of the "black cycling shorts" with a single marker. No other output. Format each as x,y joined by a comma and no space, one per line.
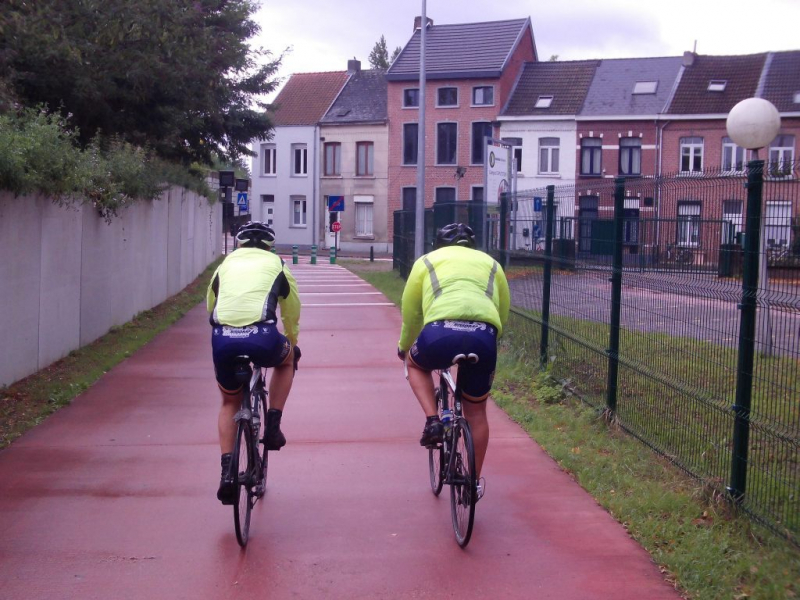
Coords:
440,341
262,342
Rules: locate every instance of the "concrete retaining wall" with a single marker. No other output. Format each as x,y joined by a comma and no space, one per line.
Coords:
67,276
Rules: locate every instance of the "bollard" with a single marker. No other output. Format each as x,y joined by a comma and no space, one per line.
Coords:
372,254
295,259
333,255
313,255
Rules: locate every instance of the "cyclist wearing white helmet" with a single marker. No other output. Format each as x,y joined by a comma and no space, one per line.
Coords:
242,299
456,301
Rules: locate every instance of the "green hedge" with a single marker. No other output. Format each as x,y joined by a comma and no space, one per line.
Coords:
39,154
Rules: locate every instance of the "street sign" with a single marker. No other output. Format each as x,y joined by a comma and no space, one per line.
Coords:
241,201
336,203
336,227
537,204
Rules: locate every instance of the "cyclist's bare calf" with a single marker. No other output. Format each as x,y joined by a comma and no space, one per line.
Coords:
421,382
475,413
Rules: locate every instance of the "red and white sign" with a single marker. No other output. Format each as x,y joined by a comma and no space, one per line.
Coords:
336,227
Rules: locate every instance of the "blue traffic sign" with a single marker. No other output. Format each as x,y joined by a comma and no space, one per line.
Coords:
241,201
336,203
537,204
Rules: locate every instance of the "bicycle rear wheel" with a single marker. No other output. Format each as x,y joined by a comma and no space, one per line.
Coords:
463,487
243,473
436,459
261,448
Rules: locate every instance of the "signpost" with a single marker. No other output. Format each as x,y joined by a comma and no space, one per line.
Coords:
335,203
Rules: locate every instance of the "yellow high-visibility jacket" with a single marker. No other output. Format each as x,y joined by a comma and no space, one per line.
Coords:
454,283
248,286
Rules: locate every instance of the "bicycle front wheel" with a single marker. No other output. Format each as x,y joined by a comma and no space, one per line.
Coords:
243,470
261,447
436,467
463,487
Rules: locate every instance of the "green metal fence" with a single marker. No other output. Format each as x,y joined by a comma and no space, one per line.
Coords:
673,304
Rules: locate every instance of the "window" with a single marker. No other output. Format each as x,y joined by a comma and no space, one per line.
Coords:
477,193
268,159
630,222
447,96
688,224
445,194
409,198
518,158
268,197
483,95
299,159
410,140
548,155
411,98
332,159
645,87
717,85
692,155
363,215
479,131
268,210
732,220
446,143
630,156
778,224
733,156
298,211
781,155
365,158
591,154
543,102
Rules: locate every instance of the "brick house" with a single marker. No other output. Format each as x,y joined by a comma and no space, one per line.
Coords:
470,73
355,150
285,170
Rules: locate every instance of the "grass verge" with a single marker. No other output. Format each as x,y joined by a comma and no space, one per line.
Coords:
29,401
703,547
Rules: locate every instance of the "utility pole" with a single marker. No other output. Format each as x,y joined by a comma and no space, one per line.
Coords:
419,223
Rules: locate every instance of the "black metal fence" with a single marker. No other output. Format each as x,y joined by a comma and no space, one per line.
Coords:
674,304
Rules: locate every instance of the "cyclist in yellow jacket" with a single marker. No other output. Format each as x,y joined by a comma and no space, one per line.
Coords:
242,299
456,300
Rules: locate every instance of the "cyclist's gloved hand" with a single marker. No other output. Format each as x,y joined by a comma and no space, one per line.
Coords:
297,355
401,354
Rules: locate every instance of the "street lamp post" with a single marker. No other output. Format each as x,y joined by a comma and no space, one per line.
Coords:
751,124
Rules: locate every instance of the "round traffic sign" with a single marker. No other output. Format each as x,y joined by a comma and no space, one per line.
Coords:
336,227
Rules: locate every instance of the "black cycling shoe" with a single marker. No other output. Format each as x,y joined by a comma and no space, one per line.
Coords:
433,433
273,436
227,486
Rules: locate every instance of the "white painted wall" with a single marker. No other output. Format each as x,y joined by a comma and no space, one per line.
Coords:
284,184
530,179
68,276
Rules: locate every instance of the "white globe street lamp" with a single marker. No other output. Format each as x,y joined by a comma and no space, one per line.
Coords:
753,123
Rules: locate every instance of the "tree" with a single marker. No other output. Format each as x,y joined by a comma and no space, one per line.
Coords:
395,54
174,75
553,58
379,57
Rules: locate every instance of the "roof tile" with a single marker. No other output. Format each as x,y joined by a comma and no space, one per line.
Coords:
306,97
567,82
363,99
783,81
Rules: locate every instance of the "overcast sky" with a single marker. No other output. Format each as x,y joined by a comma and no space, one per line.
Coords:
324,34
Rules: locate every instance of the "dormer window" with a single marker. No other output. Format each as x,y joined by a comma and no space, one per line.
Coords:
543,102
645,87
717,85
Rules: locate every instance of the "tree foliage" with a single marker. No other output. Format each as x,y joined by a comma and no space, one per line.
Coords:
177,76
379,57
395,54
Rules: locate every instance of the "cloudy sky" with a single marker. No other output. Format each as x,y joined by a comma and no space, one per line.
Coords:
324,34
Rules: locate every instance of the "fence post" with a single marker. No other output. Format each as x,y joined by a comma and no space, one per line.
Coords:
544,339
616,296
747,331
503,241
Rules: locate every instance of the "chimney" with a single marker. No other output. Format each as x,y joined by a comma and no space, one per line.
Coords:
688,58
353,66
418,20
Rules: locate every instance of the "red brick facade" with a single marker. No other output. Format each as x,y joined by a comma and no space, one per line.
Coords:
464,115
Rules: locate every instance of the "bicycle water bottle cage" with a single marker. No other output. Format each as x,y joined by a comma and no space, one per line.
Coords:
242,370
462,358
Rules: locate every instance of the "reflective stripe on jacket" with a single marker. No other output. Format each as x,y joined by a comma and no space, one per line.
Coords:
454,283
247,288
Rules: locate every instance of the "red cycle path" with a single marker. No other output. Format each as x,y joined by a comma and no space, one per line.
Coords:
113,497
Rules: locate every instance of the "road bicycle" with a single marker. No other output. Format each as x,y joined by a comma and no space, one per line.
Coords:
250,456
453,461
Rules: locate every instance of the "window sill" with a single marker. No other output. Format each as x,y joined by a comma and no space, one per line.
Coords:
363,237
448,106
591,175
445,164
332,177
298,226
268,175
551,175
414,165
690,174
296,176
365,177
481,105
411,108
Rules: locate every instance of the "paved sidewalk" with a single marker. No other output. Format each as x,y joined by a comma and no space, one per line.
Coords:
113,497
